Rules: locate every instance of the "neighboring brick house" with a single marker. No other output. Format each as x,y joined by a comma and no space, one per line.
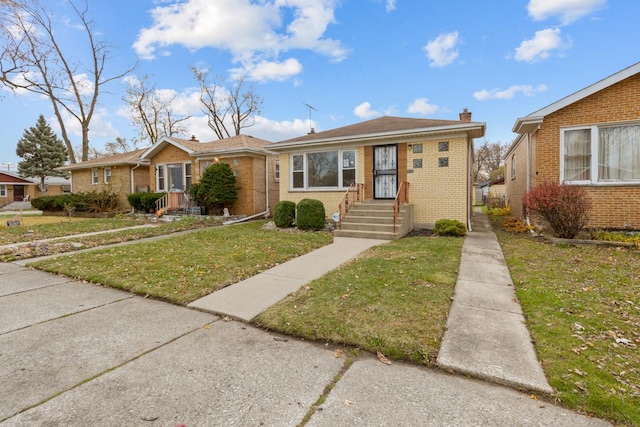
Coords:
434,156
123,174
14,188
174,164
590,138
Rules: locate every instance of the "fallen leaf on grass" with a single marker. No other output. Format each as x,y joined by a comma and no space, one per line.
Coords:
383,359
338,353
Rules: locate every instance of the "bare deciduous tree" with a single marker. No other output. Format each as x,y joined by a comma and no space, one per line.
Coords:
488,158
152,112
120,145
33,58
229,106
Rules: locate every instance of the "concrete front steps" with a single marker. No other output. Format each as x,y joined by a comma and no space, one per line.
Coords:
374,220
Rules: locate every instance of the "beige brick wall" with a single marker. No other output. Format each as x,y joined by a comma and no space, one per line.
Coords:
439,192
516,187
613,206
436,192
120,182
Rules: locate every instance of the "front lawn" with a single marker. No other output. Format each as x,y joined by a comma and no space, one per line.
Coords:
582,306
38,227
183,269
393,299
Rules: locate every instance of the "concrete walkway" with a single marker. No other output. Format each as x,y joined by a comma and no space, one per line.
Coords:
486,334
246,299
78,354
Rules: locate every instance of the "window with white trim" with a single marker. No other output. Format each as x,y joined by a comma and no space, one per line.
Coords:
3,190
94,176
173,177
513,166
277,171
323,169
600,154
107,175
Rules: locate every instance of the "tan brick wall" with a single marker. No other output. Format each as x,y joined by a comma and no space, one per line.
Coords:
120,182
516,187
435,192
613,206
170,154
439,192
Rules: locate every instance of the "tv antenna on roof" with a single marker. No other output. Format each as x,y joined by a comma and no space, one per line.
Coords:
310,108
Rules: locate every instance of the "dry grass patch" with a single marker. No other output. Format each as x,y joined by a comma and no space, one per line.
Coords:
393,299
582,306
183,269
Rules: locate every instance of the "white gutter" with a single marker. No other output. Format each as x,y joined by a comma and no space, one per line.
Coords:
469,185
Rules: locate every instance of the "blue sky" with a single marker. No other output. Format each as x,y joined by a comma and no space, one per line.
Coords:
350,60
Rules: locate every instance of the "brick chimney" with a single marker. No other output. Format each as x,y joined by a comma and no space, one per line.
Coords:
194,139
465,116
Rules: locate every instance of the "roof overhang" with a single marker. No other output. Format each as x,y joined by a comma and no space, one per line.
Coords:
85,165
473,130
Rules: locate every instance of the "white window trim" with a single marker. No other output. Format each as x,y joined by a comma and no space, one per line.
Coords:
107,175
3,190
306,187
513,166
166,175
595,153
276,171
95,177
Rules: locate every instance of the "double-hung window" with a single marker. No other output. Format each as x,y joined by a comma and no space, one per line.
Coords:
601,154
334,169
174,177
3,190
94,176
107,175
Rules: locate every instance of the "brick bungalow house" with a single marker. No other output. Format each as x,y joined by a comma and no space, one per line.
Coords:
14,188
174,164
382,156
590,138
123,174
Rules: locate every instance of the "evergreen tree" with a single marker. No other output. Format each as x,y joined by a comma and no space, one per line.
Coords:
217,188
42,152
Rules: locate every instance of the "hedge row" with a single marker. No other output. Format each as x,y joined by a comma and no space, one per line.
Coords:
90,201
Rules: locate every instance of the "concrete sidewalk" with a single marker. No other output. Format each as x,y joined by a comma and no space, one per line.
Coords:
248,298
486,334
78,354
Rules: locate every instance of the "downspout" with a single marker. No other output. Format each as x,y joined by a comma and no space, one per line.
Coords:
469,183
528,181
268,209
133,189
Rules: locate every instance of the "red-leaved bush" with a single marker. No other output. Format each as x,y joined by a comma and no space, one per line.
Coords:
564,207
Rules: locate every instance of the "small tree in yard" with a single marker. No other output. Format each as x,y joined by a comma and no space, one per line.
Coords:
564,207
216,189
42,152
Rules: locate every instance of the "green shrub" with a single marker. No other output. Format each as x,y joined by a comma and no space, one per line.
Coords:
310,215
134,200
449,227
217,188
91,201
148,200
284,214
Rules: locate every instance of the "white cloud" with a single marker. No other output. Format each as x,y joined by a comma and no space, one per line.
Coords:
254,32
442,50
269,70
422,106
391,5
364,111
567,10
509,93
541,45
101,126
